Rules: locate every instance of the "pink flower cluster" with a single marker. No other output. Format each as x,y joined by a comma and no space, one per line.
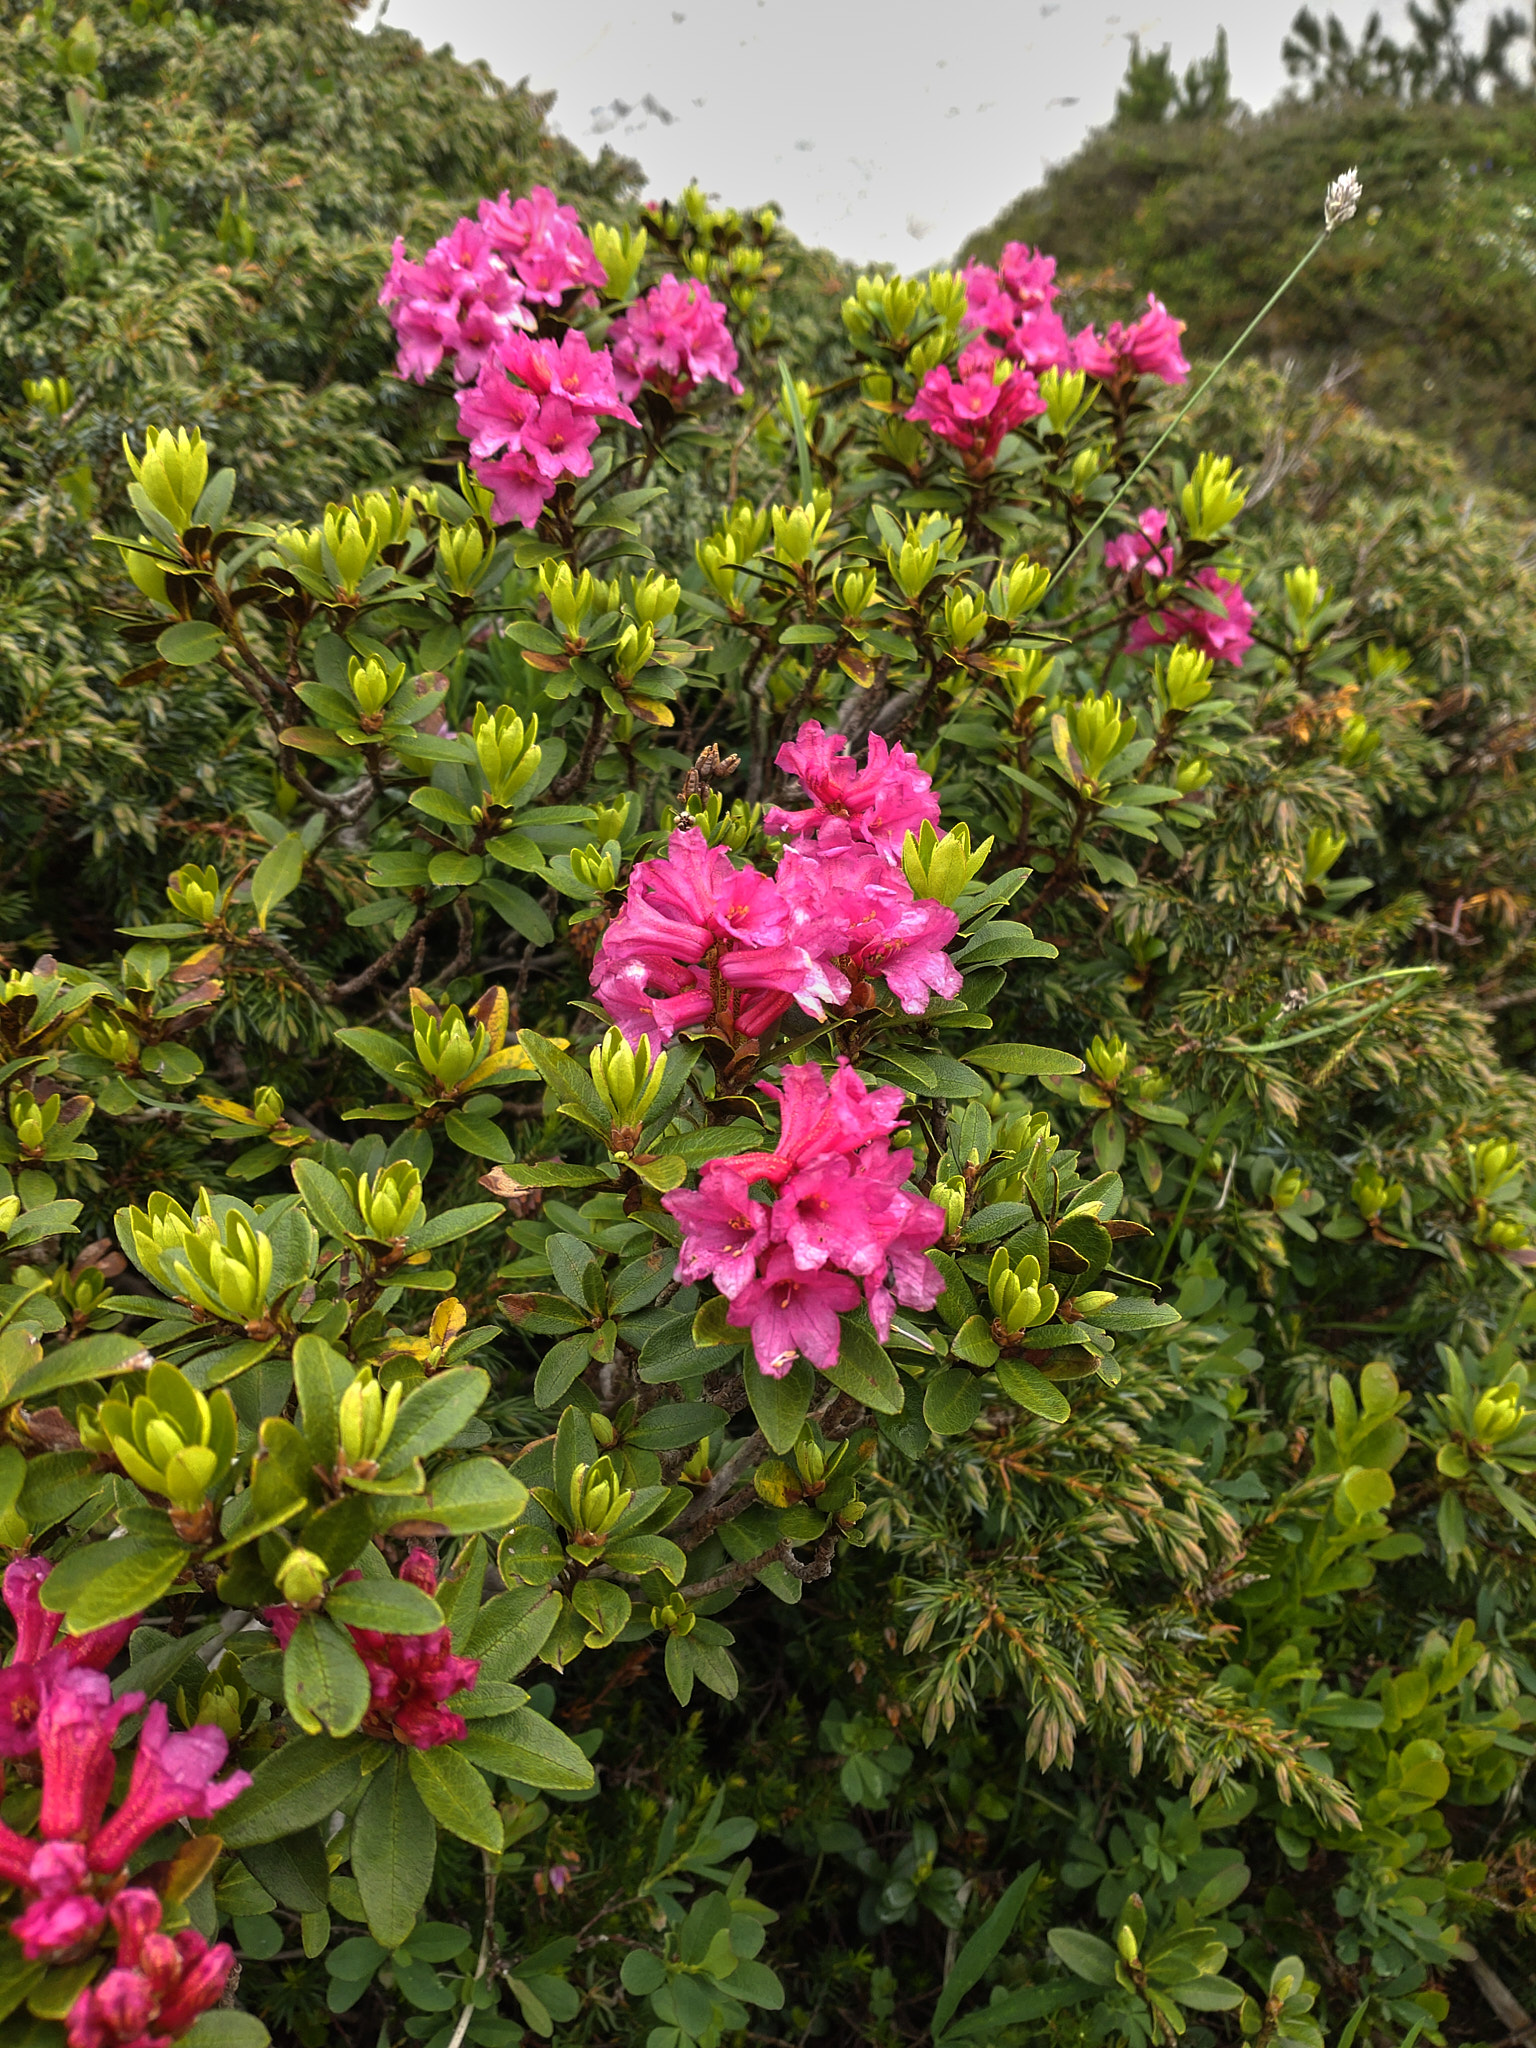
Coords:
159,1986
1225,634
1014,308
409,1677
990,397
39,1659
1148,347
469,290
840,1224
58,1703
701,941
673,339
532,416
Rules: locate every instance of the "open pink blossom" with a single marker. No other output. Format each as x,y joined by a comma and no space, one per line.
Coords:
39,1654
174,1778
1225,633
699,939
543,243
724,1228
841,1225
1013,308
1148,347
990,397
874,806
459,301
673,339
1144,548
789,1313
882,930
532,416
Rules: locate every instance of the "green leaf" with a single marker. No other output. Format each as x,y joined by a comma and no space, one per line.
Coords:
478,1136
524,1746
293,1787
293,1870
559,1369
392,1606
325,1681
394,1848
467,1496
105,1582
456,1796
511,1629
277,876
974,1342
865,1373
1031,1390
951,1401
432,1414
983,1948
1084,1954
327,1200
455,870
189,643
780,1405
91,1358
225,2030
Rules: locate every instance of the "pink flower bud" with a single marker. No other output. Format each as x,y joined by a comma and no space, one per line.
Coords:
74,1735
51,1929
35,1626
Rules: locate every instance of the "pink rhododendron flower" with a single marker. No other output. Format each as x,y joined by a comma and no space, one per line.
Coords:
543,242
1148,347
881,929
63,1915
160,1986
673,339
873,806
1013,308
790,1312
173,1779
38,1655
532,416
724,1228
698,939
74,1739
1225,634
973,412
409,1677
459,301
840,1226
1144,548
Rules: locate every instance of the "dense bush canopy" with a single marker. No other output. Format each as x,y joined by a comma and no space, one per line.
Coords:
735,1118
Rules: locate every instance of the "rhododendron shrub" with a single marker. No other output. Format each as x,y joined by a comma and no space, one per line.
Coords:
578,1156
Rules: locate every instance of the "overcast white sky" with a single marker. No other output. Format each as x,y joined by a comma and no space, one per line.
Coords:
886,131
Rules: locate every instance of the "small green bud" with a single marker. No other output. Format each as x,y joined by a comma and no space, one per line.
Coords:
373,685
1063,394
1211,500
507,751
1191,776
54,395
636,646
352,546
446,1048
655,598
798,529
389,1201
1018,590
301,1579
1287,1189
365,1424
391,516
941,868
627,1079
462,552
1358,743
196,893
620,251
1302,591
1188,680
171,472
1085,469
1322,850
1371,1192
594,868
1109,1058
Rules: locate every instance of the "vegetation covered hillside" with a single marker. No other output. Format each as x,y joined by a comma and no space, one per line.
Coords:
1433,302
